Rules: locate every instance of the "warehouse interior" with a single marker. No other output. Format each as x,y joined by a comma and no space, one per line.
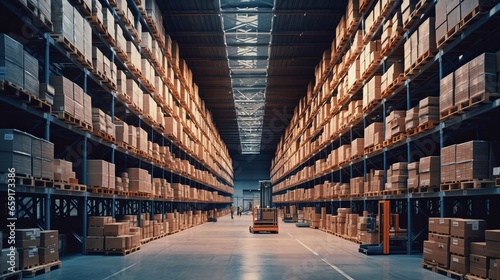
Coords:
264,138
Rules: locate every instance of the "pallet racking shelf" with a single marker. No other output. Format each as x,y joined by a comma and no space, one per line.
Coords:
415,207
48,207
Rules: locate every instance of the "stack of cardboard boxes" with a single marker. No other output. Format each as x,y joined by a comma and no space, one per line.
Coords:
428,111
447,93
101,174
468,161
412,118
429,171
397,176
395,124
357,185
436,248
413,176
104,234
27,243
374,134
374,181
463,232
372,90
49,246
139,180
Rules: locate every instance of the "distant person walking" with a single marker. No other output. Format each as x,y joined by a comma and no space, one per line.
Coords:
232,211
240,210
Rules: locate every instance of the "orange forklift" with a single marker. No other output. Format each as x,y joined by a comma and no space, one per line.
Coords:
264,220
392,239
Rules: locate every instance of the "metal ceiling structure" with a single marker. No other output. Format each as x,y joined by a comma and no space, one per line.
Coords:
252,60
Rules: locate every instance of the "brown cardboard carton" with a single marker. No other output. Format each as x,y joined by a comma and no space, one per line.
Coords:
440,225
478,265
493,249
492,235
95,243
95,231
493,270
99,221
115,242
48,255
439,238
29,237
114,229
478,248
437,253
28,257
467,228
459,264
460,246
49,238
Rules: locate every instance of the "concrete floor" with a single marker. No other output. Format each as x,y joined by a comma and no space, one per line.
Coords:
226,250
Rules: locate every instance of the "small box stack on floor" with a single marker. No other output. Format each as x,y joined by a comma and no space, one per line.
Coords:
458,247
105,235
436,248
27,243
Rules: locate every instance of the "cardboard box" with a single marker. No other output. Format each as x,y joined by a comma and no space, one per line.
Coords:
478,265
437,252
29,237
95,231
460,246
440,225
114,229
116,242
492,235
48,255
95,243
28,257
494,272
459,264
439,238
478,248
99,221
467,228
49,238
493,249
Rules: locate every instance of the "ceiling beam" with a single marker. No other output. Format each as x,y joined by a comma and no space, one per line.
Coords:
188,33
201,13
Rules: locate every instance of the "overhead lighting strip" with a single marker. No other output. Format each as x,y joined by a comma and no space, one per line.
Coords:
247,30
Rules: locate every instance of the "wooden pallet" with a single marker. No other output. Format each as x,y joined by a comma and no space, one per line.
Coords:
476,184
415,14
19,93
399,81
42,182
70,187
125,98
449,186
433,266
398,138
124,193
18,180
15,275
371,105
474,277
449,112
94,251
387,143
427,125
41,269
452,33
123,252
101,190
145,240
394,192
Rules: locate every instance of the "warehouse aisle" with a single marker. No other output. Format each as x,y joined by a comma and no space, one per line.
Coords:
226,250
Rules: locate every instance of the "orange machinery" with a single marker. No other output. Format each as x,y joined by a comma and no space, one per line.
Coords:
264,220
